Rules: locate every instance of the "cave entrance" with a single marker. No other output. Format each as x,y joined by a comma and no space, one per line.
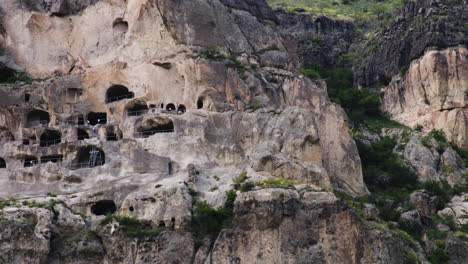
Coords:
81,134
137,109
30,161
200,103
120,25
103,207
2,163
36,118
52,158
170,107
97,118
181,109
117,93
27,97
88,157
50,138
151,127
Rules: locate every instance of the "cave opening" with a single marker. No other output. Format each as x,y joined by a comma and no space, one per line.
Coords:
97,118
170,107
120,25
200,103
27,97
88,157
2,163
50,137
52,158
30,161
151,127
103,207
36,118
181,109
137,109
81,134
117,93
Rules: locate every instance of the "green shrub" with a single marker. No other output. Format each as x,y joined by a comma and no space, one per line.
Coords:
132,227
237,181
254,104
208,222
310,73
403,70
438,256
382,168
246,186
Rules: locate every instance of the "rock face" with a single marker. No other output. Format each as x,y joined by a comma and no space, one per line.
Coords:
432,93
161,55
300,228
416,26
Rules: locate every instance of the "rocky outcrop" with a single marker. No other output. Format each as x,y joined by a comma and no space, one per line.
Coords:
432,93
320,40
416,26
301,227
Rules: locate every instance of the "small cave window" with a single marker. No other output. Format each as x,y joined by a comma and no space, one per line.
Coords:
117,93
50,138
103,207
26,141
181,109
36,118
170,107
137,109
2,163
27,97
154,126
97,118
74,94
131,209
152,106
120,25
81,134
88,157
75,120
200,103
30,161
162,106
52,158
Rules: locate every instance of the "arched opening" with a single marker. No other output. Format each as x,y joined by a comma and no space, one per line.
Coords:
97,118
2,163
30,161
137,109
181,109
117,93
26,141
103,207
200,103
36,118
120,25
154,126
27,97
52,158
81,134
170,107
88,157
50,138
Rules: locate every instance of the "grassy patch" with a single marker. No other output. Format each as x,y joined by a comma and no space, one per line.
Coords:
133,227
276,183
359,10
